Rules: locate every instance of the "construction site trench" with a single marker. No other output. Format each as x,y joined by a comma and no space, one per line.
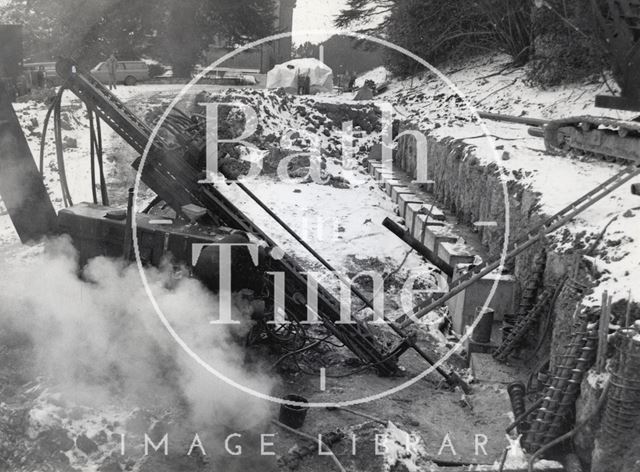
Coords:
102,385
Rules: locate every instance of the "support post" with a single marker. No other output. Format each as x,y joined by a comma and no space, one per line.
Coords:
21,186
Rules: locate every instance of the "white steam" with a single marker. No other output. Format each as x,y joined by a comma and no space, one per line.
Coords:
95,333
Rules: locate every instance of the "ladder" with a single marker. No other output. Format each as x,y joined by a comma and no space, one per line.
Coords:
548,226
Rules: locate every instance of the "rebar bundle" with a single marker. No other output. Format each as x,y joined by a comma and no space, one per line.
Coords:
517,391
571,294
560,395
533,284
522,327
622,410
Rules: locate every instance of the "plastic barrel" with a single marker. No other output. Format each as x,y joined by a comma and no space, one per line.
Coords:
293,415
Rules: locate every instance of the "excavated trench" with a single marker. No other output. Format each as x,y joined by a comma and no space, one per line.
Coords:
474,192
470,192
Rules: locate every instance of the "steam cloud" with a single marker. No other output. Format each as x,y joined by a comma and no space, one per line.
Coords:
96,334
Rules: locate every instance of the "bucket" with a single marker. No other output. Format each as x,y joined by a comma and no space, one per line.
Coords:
293,415
482,332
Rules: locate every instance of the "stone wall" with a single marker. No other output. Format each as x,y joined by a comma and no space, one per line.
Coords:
475,192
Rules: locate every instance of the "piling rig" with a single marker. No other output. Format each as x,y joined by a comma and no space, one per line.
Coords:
174,170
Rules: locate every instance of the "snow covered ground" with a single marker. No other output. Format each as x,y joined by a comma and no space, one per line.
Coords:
486,83
489,85
344,224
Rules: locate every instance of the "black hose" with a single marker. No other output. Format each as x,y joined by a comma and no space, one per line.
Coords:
98,143
57,119
44,135
95,144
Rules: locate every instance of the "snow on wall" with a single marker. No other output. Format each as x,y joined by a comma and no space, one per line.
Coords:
539,183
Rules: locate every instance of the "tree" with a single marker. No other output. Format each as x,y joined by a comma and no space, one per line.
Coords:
192,25
306,49
369,16
439,29
176,31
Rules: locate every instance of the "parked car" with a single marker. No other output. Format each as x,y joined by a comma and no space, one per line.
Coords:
127,72
50,77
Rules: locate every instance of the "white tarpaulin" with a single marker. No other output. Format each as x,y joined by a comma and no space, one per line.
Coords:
285,75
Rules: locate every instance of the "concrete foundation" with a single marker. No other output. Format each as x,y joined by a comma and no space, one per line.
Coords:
463,306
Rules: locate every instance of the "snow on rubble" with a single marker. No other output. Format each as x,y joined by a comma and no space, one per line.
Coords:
299,123
341,219
489,84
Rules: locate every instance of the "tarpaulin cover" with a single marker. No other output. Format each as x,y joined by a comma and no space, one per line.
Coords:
285,75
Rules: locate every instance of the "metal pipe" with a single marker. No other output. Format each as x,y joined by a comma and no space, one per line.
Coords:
451,378
513,253
536,131
523,120
420,248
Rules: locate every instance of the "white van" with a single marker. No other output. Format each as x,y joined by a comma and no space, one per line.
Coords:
127,72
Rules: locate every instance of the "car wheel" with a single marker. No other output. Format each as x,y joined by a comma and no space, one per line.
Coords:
130,80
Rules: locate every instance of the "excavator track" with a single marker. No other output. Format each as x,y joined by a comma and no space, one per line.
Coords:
608,138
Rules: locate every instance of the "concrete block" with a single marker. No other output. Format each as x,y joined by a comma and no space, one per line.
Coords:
411,214
382,174
454,254
433,236
389,184
372,166
419,226
463,306
398,190
404,200
434,212
413,210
